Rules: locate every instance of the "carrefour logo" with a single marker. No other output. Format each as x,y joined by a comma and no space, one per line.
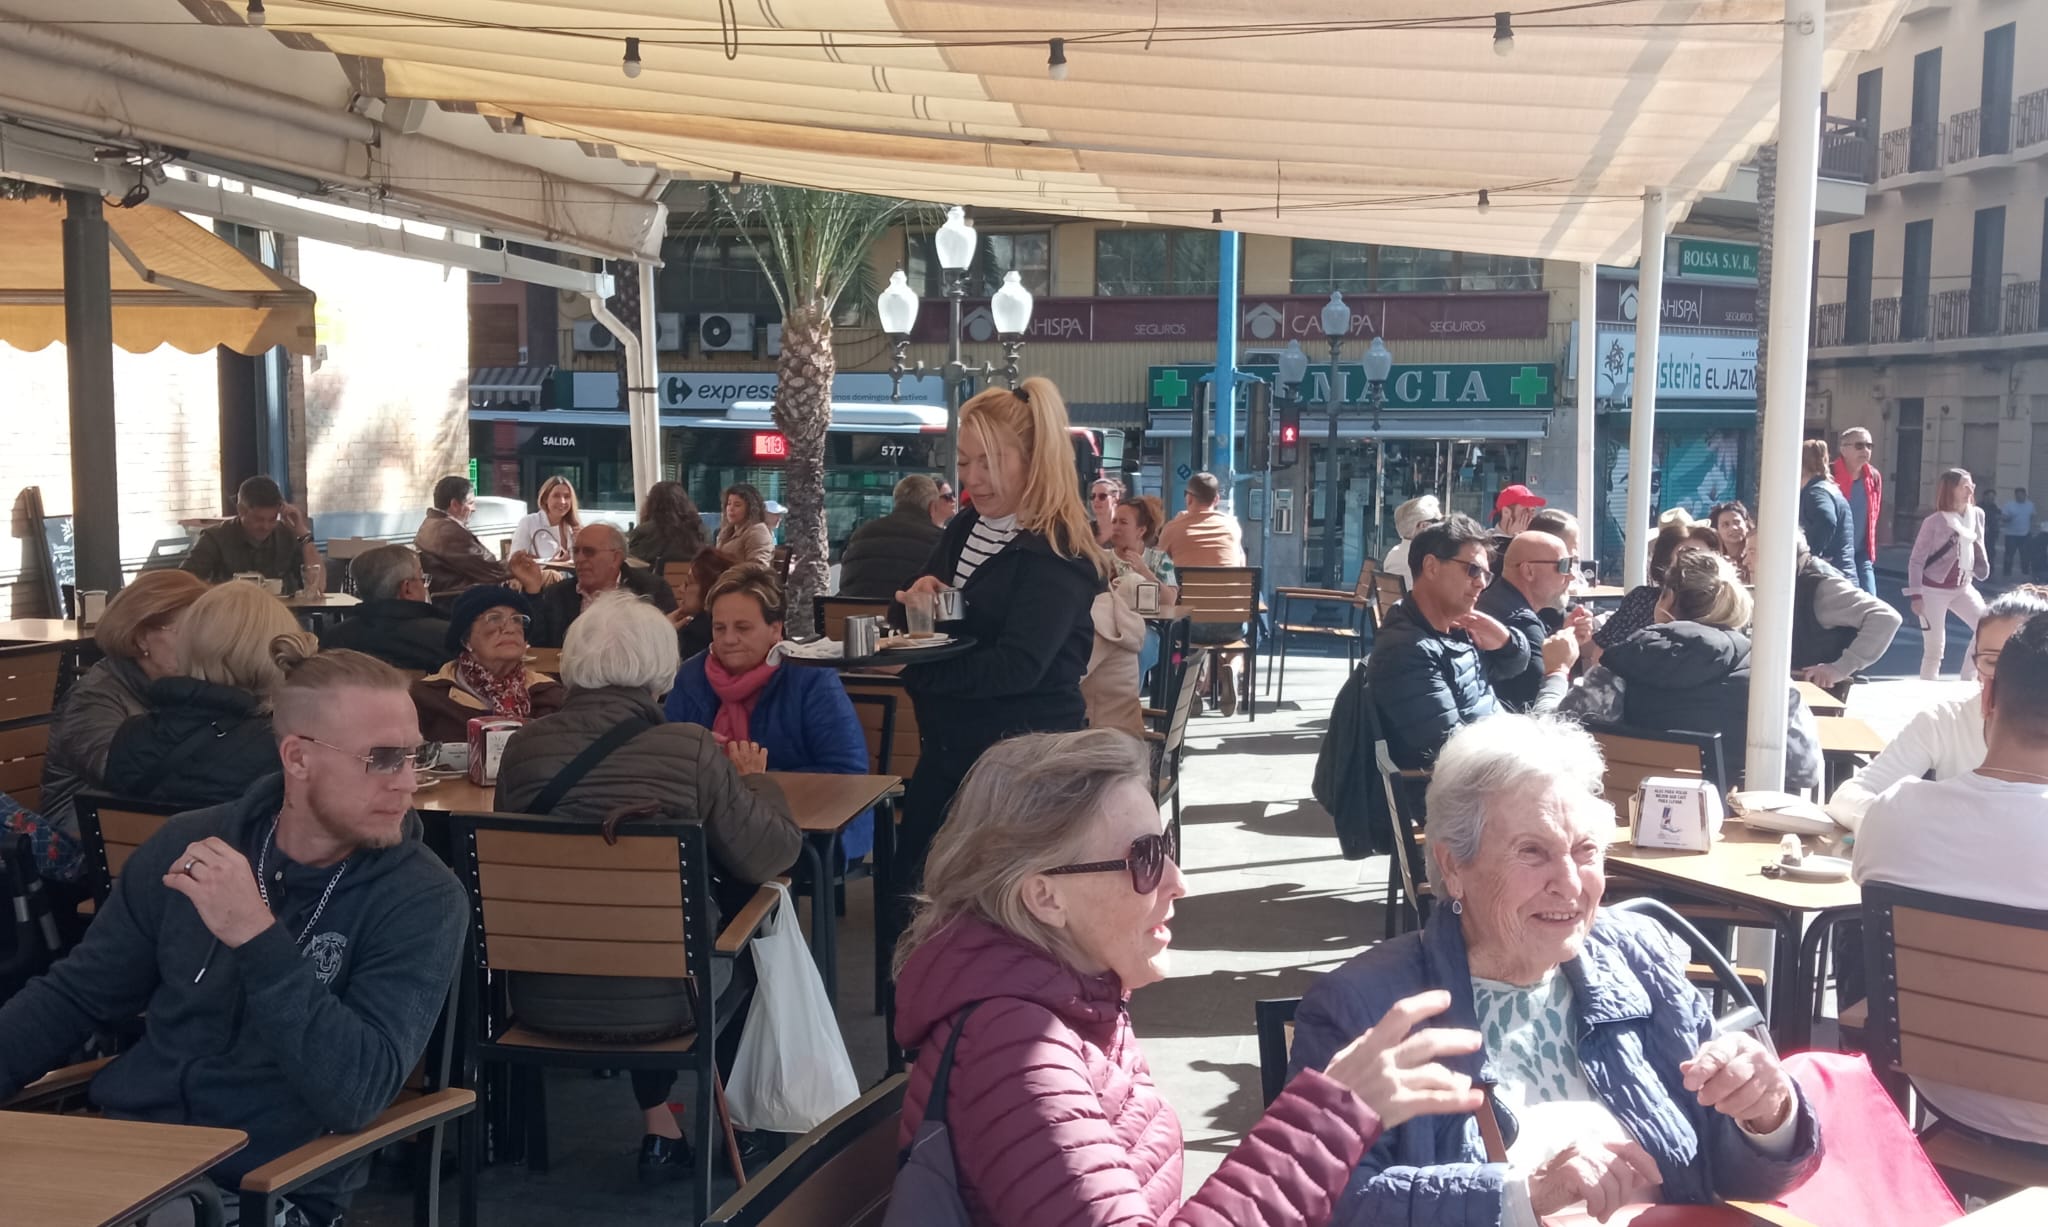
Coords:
678,392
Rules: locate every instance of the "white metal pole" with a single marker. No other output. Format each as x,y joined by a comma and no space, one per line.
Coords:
1589,351
645,435
1784,403
1642,429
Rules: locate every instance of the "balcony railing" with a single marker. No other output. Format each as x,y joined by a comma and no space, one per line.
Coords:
1945,316
1949,315
1910,150
1847,151
1830,325
1884,320
1962,135
2023,309
2030,119
1979,133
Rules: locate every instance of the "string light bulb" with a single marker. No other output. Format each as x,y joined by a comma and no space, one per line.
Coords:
1056,62
256,14
631,64
1484,203
1503,33
733,189
1215,217
518,125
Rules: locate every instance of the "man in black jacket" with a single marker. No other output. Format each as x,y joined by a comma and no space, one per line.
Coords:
395,623
1435,657
600,557
292,948
1529,599
885,556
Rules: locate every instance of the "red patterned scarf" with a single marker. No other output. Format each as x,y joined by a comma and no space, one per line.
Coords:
507,695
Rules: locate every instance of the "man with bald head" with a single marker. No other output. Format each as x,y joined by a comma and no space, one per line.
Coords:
1529,598
601,567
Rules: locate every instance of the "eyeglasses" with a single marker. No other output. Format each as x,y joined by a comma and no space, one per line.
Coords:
1563,566
1477,572
504,621
388,760
592,551
1147,862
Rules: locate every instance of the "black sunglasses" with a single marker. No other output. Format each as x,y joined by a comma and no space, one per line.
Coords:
1563,566
1147,862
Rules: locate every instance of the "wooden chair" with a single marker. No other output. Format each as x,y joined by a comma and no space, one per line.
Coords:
1274,1019
779,563
837,1175
630,899
111,829
904,741
831,612
1635,754
1388,590
676,574
1350,631
1959,995
1227,594
22,748
1169,730
1407,882
28,680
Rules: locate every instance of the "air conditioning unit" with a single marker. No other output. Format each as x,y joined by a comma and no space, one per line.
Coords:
724,331
594,338
668,331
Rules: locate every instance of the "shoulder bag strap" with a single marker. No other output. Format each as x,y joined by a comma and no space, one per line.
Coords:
935,1102
581,765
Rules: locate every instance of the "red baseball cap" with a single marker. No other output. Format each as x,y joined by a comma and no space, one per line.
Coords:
1517,496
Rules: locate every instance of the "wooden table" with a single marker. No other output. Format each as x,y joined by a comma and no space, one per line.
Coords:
2028,1207
1597,593
88,1171
1731,872
42,630
314,608
545,660
1819,701
1845,742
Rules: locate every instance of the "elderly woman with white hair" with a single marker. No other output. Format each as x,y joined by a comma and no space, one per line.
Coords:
1409,519
1601,1062
618,661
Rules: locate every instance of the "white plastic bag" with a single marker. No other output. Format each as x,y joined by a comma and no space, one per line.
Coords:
792,1072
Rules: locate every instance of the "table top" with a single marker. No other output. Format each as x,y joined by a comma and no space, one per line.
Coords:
1819,701
1732,869
545,660
1848,735
42,630
85,1171
820,803
1601,592
323,600
2029,1206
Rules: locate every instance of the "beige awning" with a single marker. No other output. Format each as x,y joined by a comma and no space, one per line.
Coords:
1365,121
174,283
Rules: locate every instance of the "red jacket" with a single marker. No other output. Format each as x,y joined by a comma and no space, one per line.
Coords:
1873,489
1055,1119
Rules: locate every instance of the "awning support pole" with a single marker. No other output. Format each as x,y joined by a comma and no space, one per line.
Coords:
646,404
1642,426
89,358
1222,448
1784,403
1588,389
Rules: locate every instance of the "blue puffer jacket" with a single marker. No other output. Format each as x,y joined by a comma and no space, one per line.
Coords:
1640,1019
802,718
1428,684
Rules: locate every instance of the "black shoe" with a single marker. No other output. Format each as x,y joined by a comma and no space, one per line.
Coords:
664,1159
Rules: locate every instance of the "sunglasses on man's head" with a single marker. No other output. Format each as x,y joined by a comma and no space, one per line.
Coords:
1146,861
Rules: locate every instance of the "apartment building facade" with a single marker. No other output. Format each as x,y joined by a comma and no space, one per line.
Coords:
1928,326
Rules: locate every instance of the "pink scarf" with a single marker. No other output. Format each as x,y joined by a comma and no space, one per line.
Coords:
736,696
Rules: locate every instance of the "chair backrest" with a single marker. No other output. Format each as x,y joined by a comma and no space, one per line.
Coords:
877,713
1180,690
1747,1015
22,748
779,561
1405,792
1635,754
568,899
833,611
904,743
1220,594
676,574
28,680
112,828
1275,1021
1388,590
1368,580
837,1175
1958,990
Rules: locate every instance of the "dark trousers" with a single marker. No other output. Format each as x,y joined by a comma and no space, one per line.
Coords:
2015,547
651,1087
927,796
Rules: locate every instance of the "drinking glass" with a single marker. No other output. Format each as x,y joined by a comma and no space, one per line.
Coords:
918,612
313,580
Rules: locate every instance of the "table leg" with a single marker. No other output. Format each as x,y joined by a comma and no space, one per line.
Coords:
820,851
1791,1019
207,1209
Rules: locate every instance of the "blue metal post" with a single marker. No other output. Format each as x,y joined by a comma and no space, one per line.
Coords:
1222,450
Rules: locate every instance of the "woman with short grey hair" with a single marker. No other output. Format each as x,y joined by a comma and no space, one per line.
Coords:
1603,1061
620,640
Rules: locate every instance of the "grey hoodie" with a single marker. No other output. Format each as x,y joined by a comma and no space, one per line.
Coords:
281,1042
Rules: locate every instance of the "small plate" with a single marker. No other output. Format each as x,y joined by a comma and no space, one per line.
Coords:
904,643
1818,869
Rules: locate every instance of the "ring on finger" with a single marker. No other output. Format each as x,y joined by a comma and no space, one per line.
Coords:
186,869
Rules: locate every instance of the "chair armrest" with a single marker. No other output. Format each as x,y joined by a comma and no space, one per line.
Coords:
1155,713
1153,735
322,1155
53,1086
748,919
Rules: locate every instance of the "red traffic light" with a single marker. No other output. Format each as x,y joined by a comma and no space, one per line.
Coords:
1289,433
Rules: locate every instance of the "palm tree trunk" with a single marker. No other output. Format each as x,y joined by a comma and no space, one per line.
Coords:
803,410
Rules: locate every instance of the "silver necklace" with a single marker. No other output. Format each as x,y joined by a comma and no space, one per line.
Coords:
263,883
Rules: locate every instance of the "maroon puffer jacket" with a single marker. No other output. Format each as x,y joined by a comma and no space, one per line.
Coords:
1053,1113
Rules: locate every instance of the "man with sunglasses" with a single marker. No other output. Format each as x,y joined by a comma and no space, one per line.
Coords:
291,949
600,559
1531,598
1436,656
1863,486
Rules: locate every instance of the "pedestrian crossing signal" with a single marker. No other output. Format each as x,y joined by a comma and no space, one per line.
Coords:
1290,437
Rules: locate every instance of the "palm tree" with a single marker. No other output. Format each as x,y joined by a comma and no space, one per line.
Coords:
814,246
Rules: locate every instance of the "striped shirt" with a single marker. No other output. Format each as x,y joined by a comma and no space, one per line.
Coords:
984,541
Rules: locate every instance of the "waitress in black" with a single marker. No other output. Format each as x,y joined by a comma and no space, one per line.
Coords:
1025,560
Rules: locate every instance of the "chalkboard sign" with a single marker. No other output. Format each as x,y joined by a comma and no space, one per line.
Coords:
59,551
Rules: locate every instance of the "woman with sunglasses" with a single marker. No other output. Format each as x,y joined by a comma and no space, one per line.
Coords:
1105,495
1049,893
488,677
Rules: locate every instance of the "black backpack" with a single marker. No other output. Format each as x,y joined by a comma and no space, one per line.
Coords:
927,1189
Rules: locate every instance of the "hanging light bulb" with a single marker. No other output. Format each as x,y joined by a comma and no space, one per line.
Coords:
518,125
1056,63
1215,217
1503,33
256,14
733,189
1484,203
631,64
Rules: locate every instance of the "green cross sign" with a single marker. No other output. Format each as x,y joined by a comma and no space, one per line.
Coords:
1529,385
1169,390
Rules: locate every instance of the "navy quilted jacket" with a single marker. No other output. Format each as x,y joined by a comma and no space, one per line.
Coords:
1640,1018
1427,684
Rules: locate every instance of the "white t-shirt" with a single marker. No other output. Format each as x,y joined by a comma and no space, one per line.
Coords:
1974,837
1947,739
541,539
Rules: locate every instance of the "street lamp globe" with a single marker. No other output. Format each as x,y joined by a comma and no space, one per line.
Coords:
1336,317
1293,363
897,306
955,241
1379,360
1011,306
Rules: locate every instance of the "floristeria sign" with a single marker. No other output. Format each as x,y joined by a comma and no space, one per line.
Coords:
1397,317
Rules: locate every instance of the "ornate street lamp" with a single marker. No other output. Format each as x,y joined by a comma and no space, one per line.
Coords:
1336,321
1379,363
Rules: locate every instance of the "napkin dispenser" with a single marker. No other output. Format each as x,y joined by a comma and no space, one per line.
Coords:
487,738
1680,814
